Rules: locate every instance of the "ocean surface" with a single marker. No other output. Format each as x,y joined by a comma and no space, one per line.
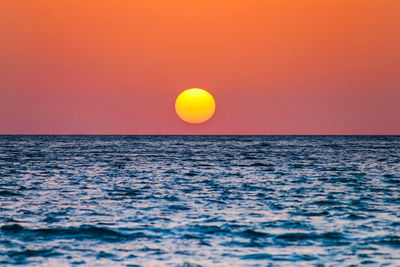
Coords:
200,200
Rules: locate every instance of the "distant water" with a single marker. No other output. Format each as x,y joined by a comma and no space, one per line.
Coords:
199,200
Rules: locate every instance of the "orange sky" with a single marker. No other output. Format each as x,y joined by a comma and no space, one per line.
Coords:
274,67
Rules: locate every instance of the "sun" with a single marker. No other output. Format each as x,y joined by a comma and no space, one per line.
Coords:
195,105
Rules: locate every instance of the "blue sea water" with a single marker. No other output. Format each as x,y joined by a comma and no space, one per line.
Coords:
200,200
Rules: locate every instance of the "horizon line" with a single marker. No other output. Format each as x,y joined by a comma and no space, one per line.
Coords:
78,134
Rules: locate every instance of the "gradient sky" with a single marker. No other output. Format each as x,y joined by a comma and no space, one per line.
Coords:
274,67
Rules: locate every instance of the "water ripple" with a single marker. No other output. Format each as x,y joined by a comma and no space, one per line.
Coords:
199,200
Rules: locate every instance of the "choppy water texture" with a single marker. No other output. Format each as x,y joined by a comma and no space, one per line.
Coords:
199,200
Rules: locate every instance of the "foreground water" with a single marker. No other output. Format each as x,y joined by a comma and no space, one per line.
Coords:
199,200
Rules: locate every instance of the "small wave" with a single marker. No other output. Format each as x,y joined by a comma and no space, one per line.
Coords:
254,234
82,232
192,173
178,207
312,214
20,257
354,217
325,203
293,237
7,193
297,236
388,240
210,229
103,254
260,164
258,256
250,244
171,198
153,251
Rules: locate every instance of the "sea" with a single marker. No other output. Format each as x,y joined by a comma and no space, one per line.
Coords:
199,200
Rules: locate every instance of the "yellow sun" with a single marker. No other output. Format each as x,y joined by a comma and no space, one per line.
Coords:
195,105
